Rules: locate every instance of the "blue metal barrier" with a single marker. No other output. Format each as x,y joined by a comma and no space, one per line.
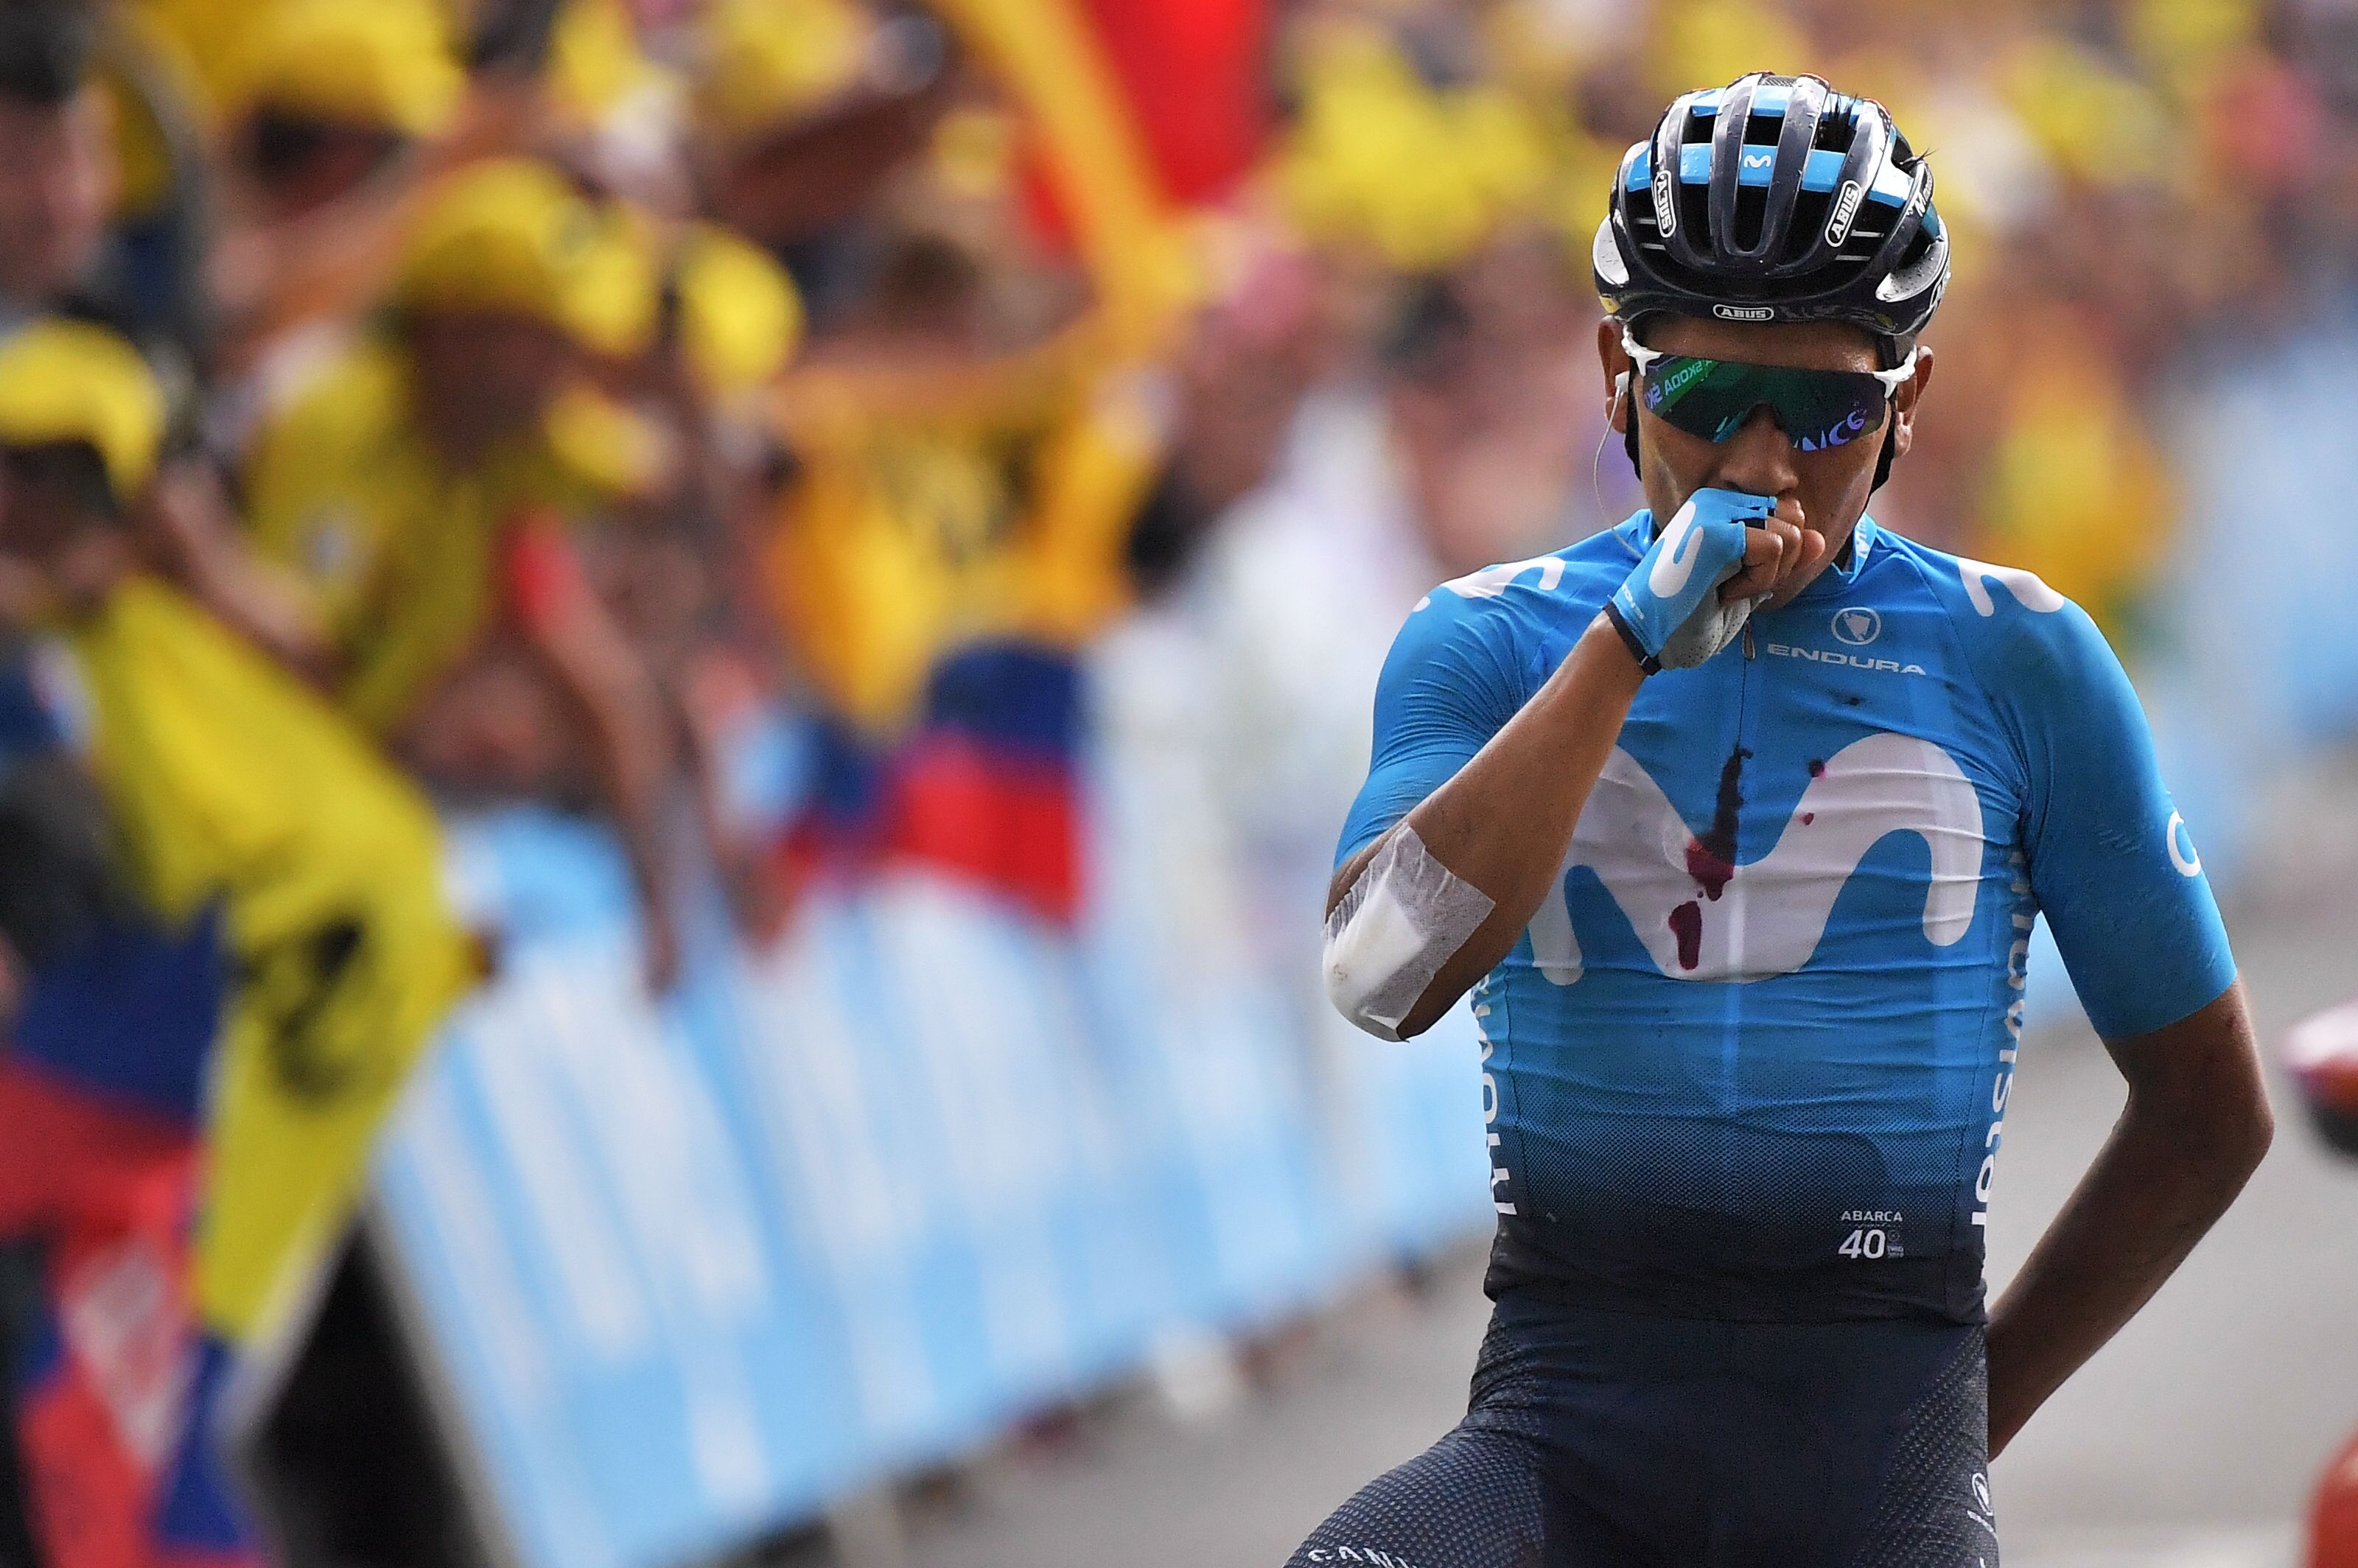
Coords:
861,1200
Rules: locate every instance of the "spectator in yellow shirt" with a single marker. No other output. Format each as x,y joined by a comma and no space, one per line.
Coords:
416,486
229,787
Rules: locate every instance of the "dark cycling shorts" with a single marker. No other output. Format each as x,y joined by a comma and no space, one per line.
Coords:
1604,1440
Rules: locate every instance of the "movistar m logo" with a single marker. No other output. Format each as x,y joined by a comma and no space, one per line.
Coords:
2029,590
1492,582
1701,917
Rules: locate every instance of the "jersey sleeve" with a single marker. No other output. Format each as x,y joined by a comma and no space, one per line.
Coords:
2112,864
1449,684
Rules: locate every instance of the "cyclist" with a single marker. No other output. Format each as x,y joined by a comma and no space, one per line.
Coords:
1733,820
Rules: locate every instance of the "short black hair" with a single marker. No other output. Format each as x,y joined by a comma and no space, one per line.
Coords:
47,49
74,468
278,141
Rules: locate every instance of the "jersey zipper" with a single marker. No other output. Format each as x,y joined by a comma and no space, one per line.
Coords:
1747,703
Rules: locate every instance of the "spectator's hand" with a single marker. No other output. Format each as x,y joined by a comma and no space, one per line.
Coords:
661,940
20,593
755,899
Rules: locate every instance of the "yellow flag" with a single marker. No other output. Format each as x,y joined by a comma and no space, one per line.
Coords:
228,780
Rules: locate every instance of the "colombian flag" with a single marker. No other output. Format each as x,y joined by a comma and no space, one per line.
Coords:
101,1111
939,564
190,1087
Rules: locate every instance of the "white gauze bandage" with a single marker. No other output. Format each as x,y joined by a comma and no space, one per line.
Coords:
1394,929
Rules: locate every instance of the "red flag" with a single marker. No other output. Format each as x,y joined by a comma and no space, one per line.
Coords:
1195,74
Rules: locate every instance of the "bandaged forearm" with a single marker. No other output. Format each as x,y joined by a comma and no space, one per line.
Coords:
1399,922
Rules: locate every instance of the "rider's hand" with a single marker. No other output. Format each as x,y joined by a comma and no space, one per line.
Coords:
1670,610
1781,547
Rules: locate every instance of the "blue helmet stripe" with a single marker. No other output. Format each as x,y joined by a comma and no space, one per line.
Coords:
1694,168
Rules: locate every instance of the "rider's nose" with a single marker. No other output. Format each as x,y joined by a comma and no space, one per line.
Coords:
1757,458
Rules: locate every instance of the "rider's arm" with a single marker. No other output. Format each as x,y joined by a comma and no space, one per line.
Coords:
1503,820
2116,872
1490,785
2196,1124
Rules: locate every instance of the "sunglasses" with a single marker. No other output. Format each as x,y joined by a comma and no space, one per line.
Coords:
1816,408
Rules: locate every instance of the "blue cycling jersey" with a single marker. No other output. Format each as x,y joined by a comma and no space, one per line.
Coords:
1751,1060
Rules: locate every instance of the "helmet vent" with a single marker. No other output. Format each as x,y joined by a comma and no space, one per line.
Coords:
1751,214
1694,209
1836,128
1811,209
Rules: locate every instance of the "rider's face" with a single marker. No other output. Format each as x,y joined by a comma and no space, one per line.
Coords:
1825,490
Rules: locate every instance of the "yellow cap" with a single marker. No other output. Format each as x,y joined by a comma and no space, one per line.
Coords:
595,64
375,63
739,318
1378,158
513,234
68,381
609,447
1719,41
2096,122
620,291
767,62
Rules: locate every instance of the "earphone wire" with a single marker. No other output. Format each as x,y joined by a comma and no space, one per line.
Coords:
1596,459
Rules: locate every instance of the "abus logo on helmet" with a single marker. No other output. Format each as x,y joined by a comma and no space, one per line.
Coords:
1666,212
1846,209
1743,312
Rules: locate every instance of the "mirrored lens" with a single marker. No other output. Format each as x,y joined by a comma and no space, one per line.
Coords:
1816,408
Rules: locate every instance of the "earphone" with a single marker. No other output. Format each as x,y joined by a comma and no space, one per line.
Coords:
1596,487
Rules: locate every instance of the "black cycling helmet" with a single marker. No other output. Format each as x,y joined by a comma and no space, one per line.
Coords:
1776,198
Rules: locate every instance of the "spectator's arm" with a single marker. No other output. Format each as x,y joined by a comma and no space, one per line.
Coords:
270,278
188,533
608,686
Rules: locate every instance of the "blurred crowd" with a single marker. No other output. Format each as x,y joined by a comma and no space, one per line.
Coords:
421,405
